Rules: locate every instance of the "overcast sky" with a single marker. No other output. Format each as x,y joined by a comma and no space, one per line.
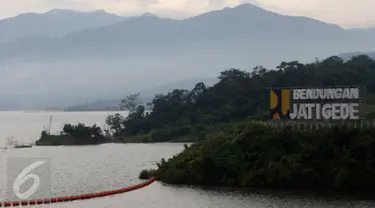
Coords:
343,12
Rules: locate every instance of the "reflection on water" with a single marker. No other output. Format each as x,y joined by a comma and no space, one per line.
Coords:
78,170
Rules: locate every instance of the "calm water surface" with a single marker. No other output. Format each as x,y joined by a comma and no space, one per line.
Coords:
78,170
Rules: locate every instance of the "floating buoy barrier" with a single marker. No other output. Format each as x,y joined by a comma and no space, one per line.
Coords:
77,197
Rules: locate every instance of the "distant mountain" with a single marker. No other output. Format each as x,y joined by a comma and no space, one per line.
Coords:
54,23
145,96
147,51
245,24
101,105
187,84
242,28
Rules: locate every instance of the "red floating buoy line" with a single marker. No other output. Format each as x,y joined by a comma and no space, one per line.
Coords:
77,197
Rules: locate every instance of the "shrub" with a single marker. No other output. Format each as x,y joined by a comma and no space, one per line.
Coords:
147,174
258,156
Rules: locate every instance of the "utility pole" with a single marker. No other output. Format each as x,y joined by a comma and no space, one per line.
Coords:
49,125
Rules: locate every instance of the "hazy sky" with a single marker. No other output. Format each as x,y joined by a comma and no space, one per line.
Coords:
343,12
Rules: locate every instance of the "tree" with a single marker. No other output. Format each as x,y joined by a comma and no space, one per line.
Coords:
239,95
233,74
115,123
130,103
196,91
90,134
68,129
44,133
137,114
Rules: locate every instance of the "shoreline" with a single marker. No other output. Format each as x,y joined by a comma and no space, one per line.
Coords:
68,140
257,156
327,194
168,142
117,142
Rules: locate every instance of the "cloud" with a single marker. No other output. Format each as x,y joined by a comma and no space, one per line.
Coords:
343,12
216,3
65,4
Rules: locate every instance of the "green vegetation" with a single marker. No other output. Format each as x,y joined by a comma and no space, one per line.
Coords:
147,174
250,155
74,135
238,95
233,151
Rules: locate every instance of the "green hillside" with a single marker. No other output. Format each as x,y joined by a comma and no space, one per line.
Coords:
241,95
231,151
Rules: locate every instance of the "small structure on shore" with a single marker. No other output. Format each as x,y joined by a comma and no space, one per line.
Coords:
11,143
18,146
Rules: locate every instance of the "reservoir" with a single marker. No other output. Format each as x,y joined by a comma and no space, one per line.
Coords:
88,169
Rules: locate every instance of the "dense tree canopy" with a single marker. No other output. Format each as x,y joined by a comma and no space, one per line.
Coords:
79,134
240,95
231,151
251,155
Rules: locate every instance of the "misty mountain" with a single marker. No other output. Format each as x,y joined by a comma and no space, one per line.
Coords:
148,51
245,24
187,84
54,23
144,96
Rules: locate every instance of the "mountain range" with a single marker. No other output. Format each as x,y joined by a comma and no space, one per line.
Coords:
145,96
65,57
55,23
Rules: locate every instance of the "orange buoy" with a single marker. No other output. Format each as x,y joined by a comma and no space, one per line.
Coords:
78,197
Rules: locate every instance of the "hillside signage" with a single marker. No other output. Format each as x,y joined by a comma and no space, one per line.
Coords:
315,104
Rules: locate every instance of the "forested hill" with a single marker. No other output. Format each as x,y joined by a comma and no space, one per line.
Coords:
240,95
239,153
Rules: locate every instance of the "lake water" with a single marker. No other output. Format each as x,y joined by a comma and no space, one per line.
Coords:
27,126
79,170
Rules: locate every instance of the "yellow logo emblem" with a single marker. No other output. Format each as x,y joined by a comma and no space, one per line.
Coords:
280,103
